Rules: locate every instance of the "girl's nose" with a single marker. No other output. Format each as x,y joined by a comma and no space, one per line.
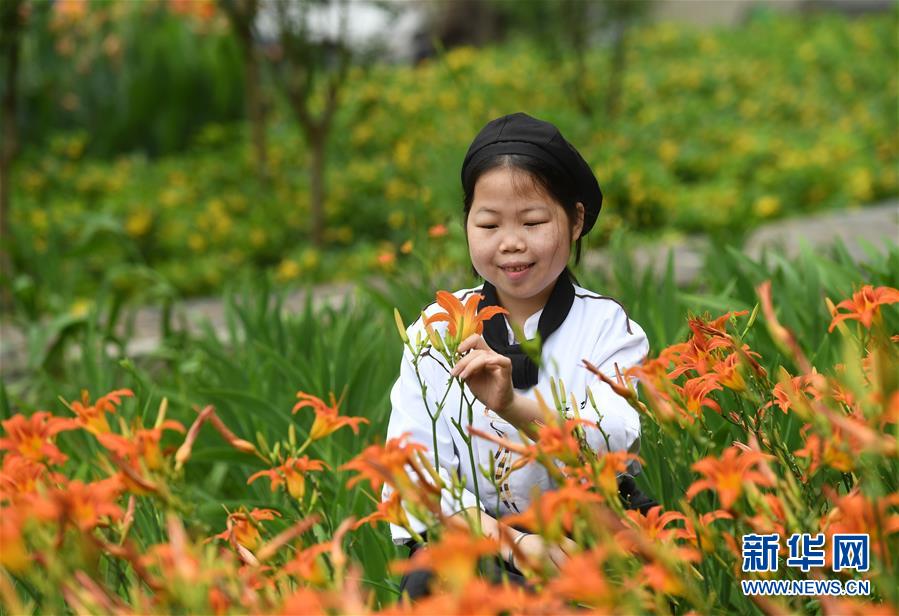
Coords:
512,241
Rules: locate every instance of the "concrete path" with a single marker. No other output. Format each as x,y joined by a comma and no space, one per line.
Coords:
876,226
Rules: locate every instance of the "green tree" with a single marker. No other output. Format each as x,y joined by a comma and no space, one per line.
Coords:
312,68
12,24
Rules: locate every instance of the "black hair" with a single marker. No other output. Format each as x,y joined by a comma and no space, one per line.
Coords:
552,180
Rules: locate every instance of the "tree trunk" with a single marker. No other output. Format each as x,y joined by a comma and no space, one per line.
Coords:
252,85
255,112
317,141
11,23
616,74
242,15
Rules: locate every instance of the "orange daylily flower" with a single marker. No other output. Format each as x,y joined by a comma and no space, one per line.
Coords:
19,476
327,419
385,463
791,392
700,352
306,601
242,528
783,337
204,10
611,464
452,558
654,525
479,598
662,579
464,320
833,450
582,579
82,504
31,437
93,417
390,510
526,453
14,554
138,453
142,446
771,516
729,371
695,394
728,474
856,513
864,306
657,370
292,473
555,510
701,534
438,230
70,9
307,564
558,440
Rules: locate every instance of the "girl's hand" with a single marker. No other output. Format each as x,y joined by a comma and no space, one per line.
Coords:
536,550
487,373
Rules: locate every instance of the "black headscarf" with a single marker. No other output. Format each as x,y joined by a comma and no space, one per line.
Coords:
519,133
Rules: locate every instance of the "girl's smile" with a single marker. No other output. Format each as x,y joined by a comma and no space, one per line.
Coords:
519,239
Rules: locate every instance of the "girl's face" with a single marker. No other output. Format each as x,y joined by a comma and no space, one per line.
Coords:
519,239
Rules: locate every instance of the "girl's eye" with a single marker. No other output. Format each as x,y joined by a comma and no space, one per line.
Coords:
486,226
533,224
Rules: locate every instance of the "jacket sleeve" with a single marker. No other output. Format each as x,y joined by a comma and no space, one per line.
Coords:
622,343
409,414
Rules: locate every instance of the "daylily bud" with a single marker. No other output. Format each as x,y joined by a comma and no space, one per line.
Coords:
435,339
183,453
233,440
160,415
400,327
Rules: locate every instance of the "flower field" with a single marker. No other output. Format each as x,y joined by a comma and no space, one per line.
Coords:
243,475
719,130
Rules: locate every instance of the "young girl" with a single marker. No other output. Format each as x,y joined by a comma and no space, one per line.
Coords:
529,197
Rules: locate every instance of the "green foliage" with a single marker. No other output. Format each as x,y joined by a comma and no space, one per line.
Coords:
127,76
268,351
718,131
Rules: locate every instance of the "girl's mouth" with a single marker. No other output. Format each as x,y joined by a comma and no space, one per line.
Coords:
517,271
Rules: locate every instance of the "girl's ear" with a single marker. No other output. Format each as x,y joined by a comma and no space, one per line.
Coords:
579,225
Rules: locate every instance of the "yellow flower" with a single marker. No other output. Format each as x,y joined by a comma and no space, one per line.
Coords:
861,184
39,219
258,237
362,134
310,259
196,242
396,219
138,223
80,307
402,154
668,151
766,206
288,269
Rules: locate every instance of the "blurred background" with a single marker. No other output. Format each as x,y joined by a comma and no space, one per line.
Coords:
163,149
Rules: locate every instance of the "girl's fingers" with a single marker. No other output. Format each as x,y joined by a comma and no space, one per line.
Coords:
474,341
463,363
478,355
478,362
